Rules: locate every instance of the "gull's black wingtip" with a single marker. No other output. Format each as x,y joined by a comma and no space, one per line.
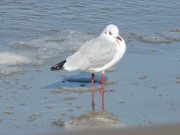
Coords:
58,66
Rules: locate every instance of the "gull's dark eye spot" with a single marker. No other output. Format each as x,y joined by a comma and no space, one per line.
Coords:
110,33
105,32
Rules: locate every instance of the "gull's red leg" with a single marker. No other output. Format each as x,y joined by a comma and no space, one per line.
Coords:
102,82
93,81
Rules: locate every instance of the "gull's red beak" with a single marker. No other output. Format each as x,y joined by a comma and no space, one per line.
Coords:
118,37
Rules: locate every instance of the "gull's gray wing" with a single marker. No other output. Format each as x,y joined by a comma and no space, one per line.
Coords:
92,54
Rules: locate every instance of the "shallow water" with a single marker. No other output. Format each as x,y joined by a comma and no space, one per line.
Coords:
36,35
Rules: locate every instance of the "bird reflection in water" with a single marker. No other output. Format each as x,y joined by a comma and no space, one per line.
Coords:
93,104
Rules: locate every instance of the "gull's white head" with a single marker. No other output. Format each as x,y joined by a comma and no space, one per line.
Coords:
112,32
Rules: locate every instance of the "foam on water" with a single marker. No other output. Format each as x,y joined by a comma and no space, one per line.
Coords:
153,39
5,70
38,51
172,34
11,59
11,63
166,36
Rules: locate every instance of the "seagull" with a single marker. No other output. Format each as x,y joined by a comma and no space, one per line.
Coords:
96,55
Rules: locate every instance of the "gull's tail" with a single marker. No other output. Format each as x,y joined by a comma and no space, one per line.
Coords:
58,66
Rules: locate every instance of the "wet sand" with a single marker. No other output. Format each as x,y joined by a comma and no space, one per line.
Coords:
158,130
